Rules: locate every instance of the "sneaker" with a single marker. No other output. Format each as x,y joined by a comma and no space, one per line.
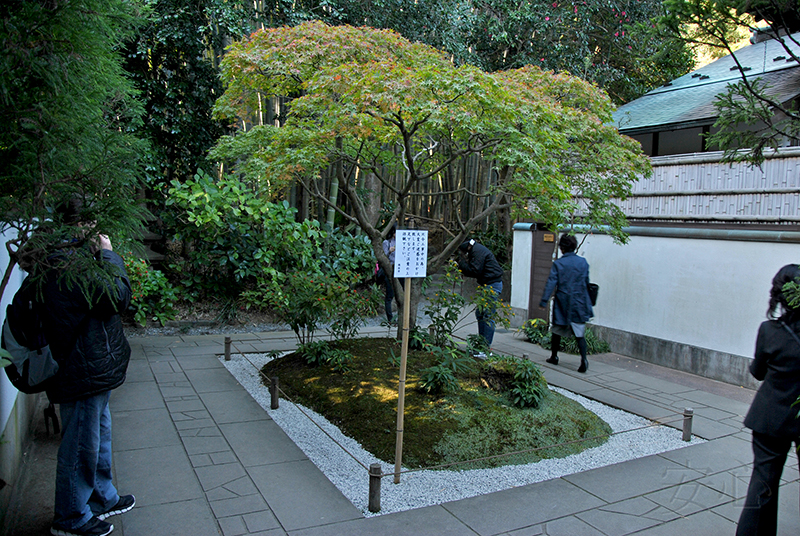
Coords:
125,503
93,527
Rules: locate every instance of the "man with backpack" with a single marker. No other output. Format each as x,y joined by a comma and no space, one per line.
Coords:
79,312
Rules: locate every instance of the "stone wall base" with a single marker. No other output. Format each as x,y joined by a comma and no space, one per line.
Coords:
724,367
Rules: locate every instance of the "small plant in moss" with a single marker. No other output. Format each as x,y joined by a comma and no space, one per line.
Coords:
476,344
321,353
522,380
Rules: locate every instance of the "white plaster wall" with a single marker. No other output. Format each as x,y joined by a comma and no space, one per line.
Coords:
711,294
520,270
8,393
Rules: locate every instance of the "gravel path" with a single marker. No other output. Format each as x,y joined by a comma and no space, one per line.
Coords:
427,487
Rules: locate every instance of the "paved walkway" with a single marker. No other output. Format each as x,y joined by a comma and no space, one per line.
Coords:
203,458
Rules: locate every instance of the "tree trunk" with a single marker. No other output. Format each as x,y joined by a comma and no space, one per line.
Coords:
373,205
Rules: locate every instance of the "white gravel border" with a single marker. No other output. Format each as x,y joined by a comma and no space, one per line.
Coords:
427,487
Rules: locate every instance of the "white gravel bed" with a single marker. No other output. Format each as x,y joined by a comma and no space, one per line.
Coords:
428,487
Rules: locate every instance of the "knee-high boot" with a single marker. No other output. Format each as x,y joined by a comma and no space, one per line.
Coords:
555,346
582,347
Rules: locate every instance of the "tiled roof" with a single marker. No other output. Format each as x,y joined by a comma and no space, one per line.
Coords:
689,100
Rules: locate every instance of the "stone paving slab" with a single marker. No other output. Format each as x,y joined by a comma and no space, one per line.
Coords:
629,479
261,443
430,520
184,517
524,506
287,487
157,475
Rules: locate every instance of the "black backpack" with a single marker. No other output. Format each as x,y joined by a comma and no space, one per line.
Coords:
32,364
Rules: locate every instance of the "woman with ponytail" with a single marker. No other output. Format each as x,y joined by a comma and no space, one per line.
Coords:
773,415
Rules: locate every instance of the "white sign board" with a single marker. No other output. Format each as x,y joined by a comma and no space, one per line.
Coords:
411,255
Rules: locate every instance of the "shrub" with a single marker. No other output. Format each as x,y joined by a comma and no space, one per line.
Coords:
350,308
445,305
320,353
537,332
438,379
521,379
298,299
232,235
315,353
443,376
153,297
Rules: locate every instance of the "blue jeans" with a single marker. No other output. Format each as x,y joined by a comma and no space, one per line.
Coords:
485,316
389,297
83,475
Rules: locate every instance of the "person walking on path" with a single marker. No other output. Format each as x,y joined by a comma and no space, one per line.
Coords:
481,264
569,278
772,416
389,247
80,319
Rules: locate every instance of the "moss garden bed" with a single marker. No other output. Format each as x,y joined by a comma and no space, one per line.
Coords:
469,423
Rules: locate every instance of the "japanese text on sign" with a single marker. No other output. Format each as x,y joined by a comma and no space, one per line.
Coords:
411,255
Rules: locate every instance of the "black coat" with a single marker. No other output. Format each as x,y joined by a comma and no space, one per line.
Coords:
777,363
482,265
86,334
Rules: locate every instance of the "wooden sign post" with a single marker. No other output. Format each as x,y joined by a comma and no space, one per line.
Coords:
410,260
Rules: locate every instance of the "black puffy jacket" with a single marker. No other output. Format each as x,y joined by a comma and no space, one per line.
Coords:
482,265
85,334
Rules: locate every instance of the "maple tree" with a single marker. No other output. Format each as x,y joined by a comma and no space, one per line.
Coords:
368,102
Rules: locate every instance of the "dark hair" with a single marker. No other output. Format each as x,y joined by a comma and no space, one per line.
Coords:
567,243
777,299
72,210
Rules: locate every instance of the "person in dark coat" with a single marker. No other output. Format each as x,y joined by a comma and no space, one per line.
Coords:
481,264
771,417
569,278
80,319
389,247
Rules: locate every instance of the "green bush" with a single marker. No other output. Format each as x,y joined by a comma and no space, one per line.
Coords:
537,332
349,307
438,379
451,363
320,353
232,236
298,299
445,303
154,297
520,378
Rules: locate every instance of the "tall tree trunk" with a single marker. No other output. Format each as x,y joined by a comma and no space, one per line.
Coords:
373,205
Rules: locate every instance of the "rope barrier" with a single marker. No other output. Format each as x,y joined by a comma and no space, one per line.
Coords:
375,470
299,408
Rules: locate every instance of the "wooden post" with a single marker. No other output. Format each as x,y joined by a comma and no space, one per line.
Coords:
374,502
688,414
227,348
401,394
273,393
